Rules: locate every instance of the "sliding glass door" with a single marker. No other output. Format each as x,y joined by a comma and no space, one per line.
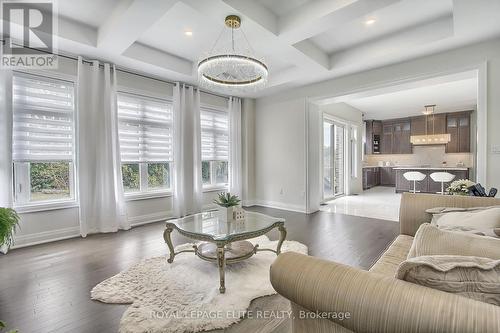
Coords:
333,159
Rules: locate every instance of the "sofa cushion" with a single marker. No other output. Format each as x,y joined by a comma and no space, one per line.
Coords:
393,256
429,240
472,277
481,221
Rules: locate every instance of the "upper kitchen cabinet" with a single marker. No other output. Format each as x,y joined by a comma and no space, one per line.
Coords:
458,126
396,137
373,134
433,124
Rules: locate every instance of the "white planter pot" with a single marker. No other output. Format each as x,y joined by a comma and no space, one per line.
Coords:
4,249
226,214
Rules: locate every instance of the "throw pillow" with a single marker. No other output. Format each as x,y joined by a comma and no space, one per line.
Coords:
473,277
430,240
478,220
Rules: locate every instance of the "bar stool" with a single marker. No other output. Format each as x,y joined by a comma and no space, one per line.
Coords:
442,177
414,176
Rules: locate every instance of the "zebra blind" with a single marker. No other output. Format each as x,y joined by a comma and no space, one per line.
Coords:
214,135
145,129
43,124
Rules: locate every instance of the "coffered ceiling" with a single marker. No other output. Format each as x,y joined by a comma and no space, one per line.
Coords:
303,41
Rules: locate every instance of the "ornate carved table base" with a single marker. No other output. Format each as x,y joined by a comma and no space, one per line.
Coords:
224,252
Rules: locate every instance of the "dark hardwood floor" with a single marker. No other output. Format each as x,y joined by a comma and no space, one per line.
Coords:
46,288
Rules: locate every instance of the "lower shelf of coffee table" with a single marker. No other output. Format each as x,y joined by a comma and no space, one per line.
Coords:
233,252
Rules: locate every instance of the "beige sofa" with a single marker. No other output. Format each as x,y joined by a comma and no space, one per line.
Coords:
331,297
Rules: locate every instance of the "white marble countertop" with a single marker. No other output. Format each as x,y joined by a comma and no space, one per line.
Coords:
432,168
409,167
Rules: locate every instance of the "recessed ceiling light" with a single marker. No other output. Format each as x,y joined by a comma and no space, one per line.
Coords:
370,21
188,33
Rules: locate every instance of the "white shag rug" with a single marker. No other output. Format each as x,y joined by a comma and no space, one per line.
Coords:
184,296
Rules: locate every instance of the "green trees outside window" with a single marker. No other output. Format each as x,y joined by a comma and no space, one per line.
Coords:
49,180
143,177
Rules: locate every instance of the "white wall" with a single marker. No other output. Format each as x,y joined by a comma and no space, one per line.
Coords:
280,125
248,150
280,154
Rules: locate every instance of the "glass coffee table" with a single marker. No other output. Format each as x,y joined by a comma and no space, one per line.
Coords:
223,242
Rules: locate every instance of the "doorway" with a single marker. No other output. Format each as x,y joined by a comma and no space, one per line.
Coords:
334,159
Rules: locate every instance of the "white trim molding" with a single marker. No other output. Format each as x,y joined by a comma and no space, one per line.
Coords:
275,205
73,232
45,237
150,218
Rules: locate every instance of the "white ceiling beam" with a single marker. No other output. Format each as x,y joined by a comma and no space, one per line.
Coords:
254,25
76,32
312,51
316,17
129,20
394,46
159,58
283,76
257,12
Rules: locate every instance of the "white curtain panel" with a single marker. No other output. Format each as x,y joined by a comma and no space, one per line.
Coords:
102,204
5,138
187,151
235,163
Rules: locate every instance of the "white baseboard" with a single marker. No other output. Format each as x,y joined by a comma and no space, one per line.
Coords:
72,232
275,205
150,218
46,236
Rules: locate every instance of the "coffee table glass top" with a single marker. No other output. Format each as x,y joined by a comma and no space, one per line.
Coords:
208,224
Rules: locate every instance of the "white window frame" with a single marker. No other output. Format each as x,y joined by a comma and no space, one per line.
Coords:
21,170
213,186
144,192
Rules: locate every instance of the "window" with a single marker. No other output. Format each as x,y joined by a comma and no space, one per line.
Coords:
145,131
43,139
214,147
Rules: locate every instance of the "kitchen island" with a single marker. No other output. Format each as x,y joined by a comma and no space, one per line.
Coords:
427,185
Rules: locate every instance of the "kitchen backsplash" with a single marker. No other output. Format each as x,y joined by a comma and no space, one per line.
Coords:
423,155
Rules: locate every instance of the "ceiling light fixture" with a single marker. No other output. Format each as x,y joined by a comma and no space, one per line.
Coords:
370,21
430,139
429,109
232,67
188,33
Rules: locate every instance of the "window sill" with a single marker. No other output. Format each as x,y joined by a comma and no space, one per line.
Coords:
216,188
148,195
41,207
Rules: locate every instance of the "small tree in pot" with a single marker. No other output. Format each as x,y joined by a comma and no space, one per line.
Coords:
227,203
9,220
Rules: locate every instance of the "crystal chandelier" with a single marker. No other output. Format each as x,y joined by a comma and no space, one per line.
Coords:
232,67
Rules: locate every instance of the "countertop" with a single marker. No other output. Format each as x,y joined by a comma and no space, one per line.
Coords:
401,167
432,168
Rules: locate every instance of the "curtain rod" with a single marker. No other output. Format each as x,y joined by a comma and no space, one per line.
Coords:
120,69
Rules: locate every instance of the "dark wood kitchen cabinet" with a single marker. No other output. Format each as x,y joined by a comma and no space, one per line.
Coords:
395,134
373,130
458,126
387,138
371,177
436,124
387,176
396,137
433,124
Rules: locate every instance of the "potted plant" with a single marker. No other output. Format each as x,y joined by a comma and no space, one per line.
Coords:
9,220
460,187
3,325
227,204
